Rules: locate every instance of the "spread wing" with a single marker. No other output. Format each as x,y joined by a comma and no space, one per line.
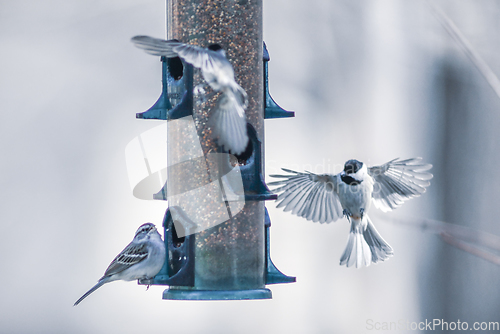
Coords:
156,46
132,254
397,181
207,60
308,195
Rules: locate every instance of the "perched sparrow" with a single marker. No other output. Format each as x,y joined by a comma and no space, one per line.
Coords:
326,198
142,258
228,119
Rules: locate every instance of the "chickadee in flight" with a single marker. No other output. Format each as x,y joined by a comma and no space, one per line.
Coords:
142,258
327,197
228,119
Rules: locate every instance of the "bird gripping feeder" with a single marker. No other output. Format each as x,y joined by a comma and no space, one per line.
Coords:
216,226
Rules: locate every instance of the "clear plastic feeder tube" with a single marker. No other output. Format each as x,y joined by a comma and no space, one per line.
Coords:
230,253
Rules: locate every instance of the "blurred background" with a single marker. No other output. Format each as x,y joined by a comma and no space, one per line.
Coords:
368,79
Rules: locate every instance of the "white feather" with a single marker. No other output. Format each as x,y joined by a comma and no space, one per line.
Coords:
229,124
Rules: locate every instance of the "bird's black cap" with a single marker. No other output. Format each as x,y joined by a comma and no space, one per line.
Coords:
352,166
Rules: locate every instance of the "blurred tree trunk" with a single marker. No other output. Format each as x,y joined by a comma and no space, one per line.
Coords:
455,284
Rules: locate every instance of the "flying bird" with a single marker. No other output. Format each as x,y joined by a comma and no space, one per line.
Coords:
142,258
228,119
326,198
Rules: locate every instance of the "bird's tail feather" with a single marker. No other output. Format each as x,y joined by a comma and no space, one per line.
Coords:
380,249
240,95
95,287
357,251
229,123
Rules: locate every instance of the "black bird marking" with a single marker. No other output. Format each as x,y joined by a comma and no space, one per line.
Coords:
349,180
352,166
214,47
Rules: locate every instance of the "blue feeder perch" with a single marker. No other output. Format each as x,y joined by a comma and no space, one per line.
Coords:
271,108
174,85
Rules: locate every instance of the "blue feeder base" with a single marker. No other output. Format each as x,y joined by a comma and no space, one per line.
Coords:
178,294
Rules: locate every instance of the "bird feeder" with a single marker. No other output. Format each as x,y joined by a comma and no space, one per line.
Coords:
216,225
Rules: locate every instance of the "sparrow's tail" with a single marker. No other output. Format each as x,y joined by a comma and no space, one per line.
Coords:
101,282
365,245
229,123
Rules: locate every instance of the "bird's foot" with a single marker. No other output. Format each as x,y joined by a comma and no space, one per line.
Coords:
200,94
362,211
347,214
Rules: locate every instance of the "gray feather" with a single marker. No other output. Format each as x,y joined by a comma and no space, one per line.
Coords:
380,249
132,254
101,282
397,181
308,195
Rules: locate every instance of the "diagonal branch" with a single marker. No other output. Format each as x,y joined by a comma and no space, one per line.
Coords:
493,258
478,243
476,59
